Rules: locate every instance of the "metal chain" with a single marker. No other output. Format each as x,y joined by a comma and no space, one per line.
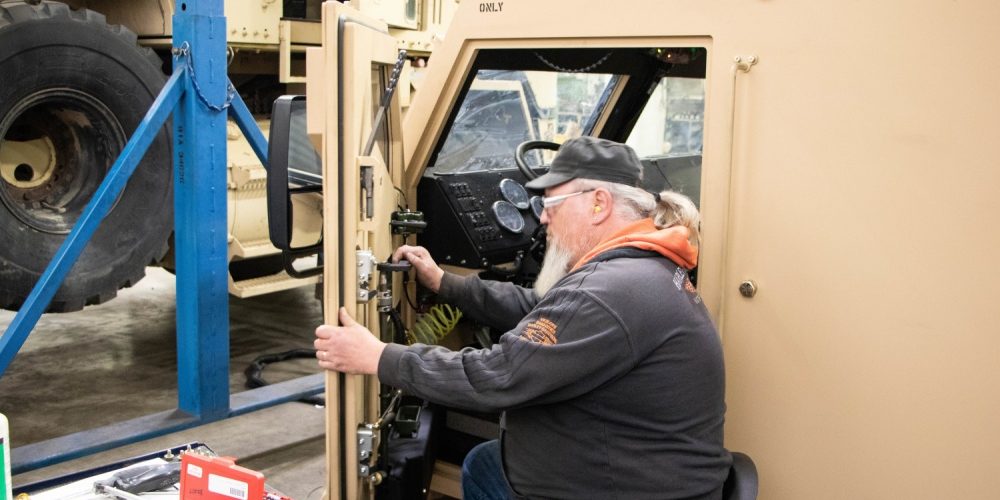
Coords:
397,68
184,51
568,70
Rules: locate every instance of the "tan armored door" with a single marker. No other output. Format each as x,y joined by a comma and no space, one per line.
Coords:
859,369
346,83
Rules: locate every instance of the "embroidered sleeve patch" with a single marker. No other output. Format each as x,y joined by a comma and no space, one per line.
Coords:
681,281
541,331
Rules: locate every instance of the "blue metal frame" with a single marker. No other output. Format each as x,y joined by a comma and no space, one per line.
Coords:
79,444
200,228
244,119
95,211
199,94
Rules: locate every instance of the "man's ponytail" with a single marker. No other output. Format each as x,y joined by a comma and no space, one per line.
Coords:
675,209
666,208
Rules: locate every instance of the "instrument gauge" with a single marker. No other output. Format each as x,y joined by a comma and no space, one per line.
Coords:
508,216
537,207
515,193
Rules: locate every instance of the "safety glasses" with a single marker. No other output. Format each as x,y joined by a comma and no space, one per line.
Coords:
552,201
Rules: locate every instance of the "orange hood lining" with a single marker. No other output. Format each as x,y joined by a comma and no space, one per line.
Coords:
671,242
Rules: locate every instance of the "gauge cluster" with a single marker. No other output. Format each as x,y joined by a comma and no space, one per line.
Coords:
477,219
515,193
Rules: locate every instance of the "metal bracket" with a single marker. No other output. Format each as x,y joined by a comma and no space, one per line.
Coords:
368,187
744,63
369,438
367,442
384,293
366,266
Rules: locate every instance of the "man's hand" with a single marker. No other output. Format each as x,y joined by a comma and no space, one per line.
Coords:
350,348
428,272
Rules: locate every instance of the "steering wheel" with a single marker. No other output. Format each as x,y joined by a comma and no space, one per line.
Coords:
538,239
538,243
522,150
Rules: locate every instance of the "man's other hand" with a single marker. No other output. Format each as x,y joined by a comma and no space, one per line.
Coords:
350,348
428,272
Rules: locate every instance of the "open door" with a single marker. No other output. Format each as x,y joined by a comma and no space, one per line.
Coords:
354,122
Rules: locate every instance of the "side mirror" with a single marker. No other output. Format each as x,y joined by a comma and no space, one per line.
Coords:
294,187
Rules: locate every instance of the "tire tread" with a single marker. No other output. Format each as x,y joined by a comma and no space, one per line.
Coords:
18,11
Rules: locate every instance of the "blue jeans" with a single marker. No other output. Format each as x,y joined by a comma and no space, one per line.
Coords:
482,473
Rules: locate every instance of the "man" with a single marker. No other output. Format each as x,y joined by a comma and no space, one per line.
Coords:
610,376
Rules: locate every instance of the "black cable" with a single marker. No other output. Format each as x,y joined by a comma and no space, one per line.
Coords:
399,330
518,263
405,202
255,371
406,289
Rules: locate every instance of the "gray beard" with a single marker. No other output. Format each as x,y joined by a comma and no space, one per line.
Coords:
554,267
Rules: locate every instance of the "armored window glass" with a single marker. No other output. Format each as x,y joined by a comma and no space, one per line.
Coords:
502,109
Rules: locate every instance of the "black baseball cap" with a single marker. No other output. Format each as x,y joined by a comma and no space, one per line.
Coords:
591,158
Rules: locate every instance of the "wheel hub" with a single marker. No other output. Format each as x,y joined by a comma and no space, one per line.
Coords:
56,146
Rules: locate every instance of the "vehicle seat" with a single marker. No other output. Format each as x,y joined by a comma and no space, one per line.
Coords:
741,484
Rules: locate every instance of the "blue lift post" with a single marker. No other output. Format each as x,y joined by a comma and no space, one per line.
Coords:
200,96
200,227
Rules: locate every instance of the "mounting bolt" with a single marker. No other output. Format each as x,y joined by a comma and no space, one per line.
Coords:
748,289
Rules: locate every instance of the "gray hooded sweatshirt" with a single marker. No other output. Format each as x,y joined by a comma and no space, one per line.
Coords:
612,385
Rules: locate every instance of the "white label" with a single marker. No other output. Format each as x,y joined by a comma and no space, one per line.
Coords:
194,470
228,487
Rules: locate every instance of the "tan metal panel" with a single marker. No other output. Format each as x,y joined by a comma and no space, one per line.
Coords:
143,17
253,21
865,367
394,12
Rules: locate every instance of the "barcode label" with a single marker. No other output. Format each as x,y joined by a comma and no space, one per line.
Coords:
228,487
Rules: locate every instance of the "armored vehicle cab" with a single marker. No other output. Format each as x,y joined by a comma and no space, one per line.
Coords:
840,157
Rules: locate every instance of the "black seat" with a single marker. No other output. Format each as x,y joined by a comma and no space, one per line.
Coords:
741,484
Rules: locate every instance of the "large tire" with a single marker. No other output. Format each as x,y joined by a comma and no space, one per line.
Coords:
76,88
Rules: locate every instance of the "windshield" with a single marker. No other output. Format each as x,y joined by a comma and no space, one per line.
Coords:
502,109
671,123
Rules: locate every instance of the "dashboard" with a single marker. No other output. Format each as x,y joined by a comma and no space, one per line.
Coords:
477,219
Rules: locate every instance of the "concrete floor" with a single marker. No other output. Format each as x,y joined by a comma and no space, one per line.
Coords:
117,361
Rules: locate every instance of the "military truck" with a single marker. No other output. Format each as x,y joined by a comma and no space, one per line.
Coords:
839,152
76,77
